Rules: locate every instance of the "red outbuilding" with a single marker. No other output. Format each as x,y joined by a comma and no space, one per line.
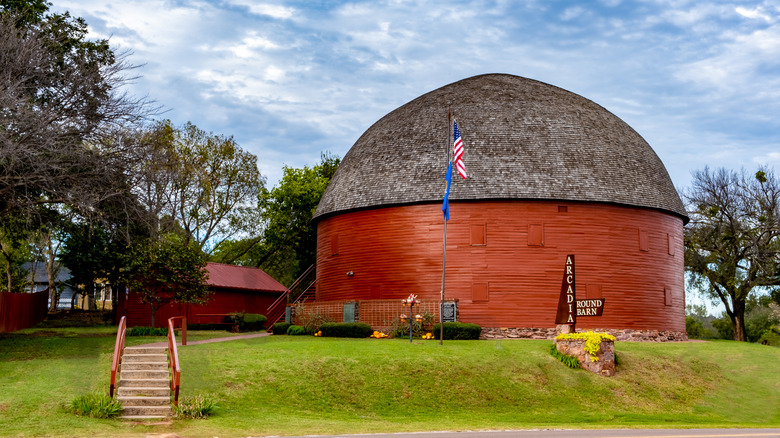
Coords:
234,289
550,173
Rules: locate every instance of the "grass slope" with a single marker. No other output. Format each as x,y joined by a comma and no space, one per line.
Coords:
303,385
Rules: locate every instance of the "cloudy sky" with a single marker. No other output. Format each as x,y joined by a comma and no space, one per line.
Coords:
699,80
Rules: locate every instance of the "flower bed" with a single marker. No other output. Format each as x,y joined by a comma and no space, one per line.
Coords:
595,351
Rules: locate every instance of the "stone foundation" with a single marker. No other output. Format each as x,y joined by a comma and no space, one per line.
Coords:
551,333
605,365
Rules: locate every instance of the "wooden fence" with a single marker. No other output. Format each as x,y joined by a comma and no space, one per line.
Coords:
20,311
378,314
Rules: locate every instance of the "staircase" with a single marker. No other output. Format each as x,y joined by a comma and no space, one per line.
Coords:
144,383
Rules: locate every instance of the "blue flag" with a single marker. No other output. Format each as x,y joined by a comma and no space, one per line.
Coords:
445,208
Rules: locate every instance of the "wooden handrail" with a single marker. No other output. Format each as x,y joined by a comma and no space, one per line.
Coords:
183,328
119,347
173,362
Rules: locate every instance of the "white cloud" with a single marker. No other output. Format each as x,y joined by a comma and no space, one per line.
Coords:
267,9
572,13
754,13
769,158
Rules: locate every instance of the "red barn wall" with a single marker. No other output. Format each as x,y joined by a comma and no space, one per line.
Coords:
222,301
505,260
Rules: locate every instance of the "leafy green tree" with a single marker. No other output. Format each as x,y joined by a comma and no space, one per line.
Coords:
14,252
288,244
92,254
167,271
732,244
198,184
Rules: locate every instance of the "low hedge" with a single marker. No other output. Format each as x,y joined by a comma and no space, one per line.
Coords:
346,330
296,330
280,328
147,331
458,330
248,322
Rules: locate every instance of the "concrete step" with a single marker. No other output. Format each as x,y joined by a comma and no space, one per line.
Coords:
149,383
144,357
159,411
144,400
137,391
145,350
143,374
138,366
140,417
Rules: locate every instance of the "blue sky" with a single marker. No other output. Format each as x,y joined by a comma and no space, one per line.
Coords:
699,80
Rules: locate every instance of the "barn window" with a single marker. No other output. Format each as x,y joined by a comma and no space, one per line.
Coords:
593,291
376,292
479,292
668,295
478,235
670,243
563,209
334,245
535,235
643,242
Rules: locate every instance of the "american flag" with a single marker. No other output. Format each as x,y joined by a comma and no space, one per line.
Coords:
459,152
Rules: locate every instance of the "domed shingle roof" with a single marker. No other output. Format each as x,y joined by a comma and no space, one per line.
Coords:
524,140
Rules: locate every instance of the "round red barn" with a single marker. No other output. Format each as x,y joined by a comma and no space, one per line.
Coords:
551,173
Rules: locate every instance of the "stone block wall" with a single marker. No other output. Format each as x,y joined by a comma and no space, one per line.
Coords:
551,333
605,365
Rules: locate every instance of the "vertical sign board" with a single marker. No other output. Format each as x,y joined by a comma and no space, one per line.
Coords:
567,303
449,312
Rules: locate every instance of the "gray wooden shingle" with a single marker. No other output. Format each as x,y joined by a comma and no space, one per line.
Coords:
523,139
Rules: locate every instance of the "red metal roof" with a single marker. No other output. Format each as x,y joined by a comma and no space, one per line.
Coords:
242,277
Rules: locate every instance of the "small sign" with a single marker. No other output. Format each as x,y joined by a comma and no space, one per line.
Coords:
449,312
593,307
349,312
567,311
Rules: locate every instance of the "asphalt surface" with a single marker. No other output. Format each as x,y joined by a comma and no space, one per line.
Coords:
576,433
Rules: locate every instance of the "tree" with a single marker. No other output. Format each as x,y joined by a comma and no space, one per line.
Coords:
288,245
732,244
14,252
166,271
91,254
60,100
200,184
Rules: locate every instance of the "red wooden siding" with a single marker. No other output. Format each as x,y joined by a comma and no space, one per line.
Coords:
222,301
20,311
398,250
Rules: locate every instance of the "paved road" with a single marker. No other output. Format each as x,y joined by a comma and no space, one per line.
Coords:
614,433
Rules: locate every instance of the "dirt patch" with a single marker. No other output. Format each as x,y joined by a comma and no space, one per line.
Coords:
3,407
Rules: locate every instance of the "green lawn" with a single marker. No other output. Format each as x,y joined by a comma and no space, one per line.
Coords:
286,385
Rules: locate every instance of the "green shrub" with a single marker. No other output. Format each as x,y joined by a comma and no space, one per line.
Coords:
296,330
458,330
280,328
96,406
346,330
724,327
248,322
195,407
147,331
695,328
311,321
757,321
569,361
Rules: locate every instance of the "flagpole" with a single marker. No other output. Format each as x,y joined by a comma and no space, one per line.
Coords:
444,251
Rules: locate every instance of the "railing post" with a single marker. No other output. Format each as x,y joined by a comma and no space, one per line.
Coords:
184,331
119,347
